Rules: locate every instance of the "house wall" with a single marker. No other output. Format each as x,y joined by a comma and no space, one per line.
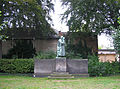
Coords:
40,45
6,45
106,57
45,45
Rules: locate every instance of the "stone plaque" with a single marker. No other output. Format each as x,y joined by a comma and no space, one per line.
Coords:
61,65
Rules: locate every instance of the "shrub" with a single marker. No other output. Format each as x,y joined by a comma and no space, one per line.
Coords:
96,68
17,65
45,55
72,55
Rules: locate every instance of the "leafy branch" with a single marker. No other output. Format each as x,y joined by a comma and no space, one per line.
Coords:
2,26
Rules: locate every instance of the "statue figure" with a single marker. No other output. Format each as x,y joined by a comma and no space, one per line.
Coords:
61,47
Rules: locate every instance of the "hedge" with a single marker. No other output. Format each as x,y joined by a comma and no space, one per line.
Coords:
96,68
16,65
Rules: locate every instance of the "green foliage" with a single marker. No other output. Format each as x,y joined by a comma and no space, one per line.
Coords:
0,13
99,47
2,26
45,55
76,46
17,65
96,68
72,55
91,15
2,35
77,50
118,20
116,37
27,15
22,49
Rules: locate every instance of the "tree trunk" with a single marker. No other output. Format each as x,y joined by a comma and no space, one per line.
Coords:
0,49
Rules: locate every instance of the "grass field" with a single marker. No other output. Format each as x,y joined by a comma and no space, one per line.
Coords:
24,82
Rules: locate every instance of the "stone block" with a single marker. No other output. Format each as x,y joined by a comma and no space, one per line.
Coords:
44,66
77,66
61,65
61,68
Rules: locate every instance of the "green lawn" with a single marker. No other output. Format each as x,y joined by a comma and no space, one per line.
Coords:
23,82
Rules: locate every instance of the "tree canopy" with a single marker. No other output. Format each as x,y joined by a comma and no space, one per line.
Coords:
116,37
91,15
2,25
27,14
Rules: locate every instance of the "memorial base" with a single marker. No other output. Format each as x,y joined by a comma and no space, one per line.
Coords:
61,68
61,64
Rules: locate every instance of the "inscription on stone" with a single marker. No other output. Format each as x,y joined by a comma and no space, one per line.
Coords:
61,65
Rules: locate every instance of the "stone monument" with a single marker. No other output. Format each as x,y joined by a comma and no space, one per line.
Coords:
61,67
60,59
61,47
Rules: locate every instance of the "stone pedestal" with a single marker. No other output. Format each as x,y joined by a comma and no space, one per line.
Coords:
61,69
61,65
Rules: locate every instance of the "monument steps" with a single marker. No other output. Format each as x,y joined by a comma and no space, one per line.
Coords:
80,75
65,76
57,75
60,77
60,73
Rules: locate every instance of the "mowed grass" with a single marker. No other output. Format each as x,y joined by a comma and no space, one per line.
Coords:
25,82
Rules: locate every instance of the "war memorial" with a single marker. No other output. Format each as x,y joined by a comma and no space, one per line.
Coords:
61,67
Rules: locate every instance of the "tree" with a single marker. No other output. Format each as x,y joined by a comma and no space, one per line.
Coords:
91,16
27,14
2,26
94,16
116,37
2,36
0,41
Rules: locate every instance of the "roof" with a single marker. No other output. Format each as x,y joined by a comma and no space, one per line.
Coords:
31,34
106,51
